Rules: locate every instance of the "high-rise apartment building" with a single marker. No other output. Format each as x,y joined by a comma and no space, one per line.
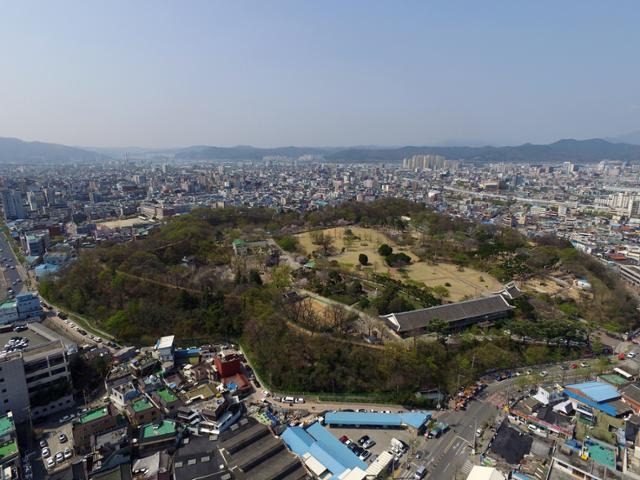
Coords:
12,204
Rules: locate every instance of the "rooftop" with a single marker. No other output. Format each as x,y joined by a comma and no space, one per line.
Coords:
451,312
165,342
94,415
8,305
412,419
159,429
166,395
601,454
6,425
141,405
596,391
8,449
322,445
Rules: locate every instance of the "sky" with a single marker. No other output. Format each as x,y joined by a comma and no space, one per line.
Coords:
318,73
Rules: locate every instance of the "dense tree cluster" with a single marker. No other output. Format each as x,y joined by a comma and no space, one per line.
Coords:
179,280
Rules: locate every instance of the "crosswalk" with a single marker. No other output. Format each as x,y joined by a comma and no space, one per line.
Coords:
465,470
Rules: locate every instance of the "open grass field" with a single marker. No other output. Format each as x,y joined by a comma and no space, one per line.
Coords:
127,222
466,283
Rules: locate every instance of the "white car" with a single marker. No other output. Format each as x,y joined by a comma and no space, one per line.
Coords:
544,373
59,457
50,463
631,354
46,452
67,453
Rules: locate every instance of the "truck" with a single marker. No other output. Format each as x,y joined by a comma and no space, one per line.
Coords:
438,429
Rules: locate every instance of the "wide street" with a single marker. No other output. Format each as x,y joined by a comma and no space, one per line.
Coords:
11,270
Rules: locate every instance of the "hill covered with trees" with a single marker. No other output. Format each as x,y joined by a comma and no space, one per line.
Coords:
184,280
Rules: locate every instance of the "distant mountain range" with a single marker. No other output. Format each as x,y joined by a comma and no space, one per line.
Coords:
580,151
13,150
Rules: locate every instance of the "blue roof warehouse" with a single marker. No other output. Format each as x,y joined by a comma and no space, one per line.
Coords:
414,420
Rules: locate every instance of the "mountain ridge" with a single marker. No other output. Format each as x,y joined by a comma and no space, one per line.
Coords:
13,150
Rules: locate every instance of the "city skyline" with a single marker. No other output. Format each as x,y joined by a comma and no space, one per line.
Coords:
160,75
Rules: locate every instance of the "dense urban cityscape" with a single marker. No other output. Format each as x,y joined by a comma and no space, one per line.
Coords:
172,409
319,240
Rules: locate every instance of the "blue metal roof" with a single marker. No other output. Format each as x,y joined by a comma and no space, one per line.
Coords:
412,419
596,391
323,446
603,407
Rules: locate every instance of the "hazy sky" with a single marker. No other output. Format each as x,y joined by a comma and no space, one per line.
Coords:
269,73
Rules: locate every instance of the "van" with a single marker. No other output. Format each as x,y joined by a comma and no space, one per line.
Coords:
288,400
420,472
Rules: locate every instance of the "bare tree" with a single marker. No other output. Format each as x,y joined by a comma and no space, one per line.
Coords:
338,318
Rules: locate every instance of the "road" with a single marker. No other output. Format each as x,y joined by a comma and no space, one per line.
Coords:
12,271
448,454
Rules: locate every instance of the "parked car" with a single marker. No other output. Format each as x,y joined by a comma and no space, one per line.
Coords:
43,443
363,439
67,453
51,463
59,457
364,455
46,452
344,439
62,437
369,443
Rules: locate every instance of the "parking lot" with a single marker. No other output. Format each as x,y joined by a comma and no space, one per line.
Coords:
382,436
32,337
50,432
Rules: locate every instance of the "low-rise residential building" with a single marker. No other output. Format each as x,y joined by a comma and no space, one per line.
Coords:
157,436
141,411
90,424
10,464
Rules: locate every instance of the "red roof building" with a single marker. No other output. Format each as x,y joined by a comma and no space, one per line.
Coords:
228,366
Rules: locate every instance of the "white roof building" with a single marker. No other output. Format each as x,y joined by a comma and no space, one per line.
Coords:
485,473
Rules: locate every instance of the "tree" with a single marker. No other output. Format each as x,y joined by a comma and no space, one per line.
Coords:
288,243
322,239
385,250
440,291
440,328
363,259
338,317
254,276
281,276
398,259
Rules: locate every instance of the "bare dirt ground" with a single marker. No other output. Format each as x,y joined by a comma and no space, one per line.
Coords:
468,283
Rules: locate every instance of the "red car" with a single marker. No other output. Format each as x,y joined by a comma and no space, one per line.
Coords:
344,439
621,356
574,365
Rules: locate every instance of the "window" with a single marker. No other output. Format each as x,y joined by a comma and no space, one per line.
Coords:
35,366
38,377
56,360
